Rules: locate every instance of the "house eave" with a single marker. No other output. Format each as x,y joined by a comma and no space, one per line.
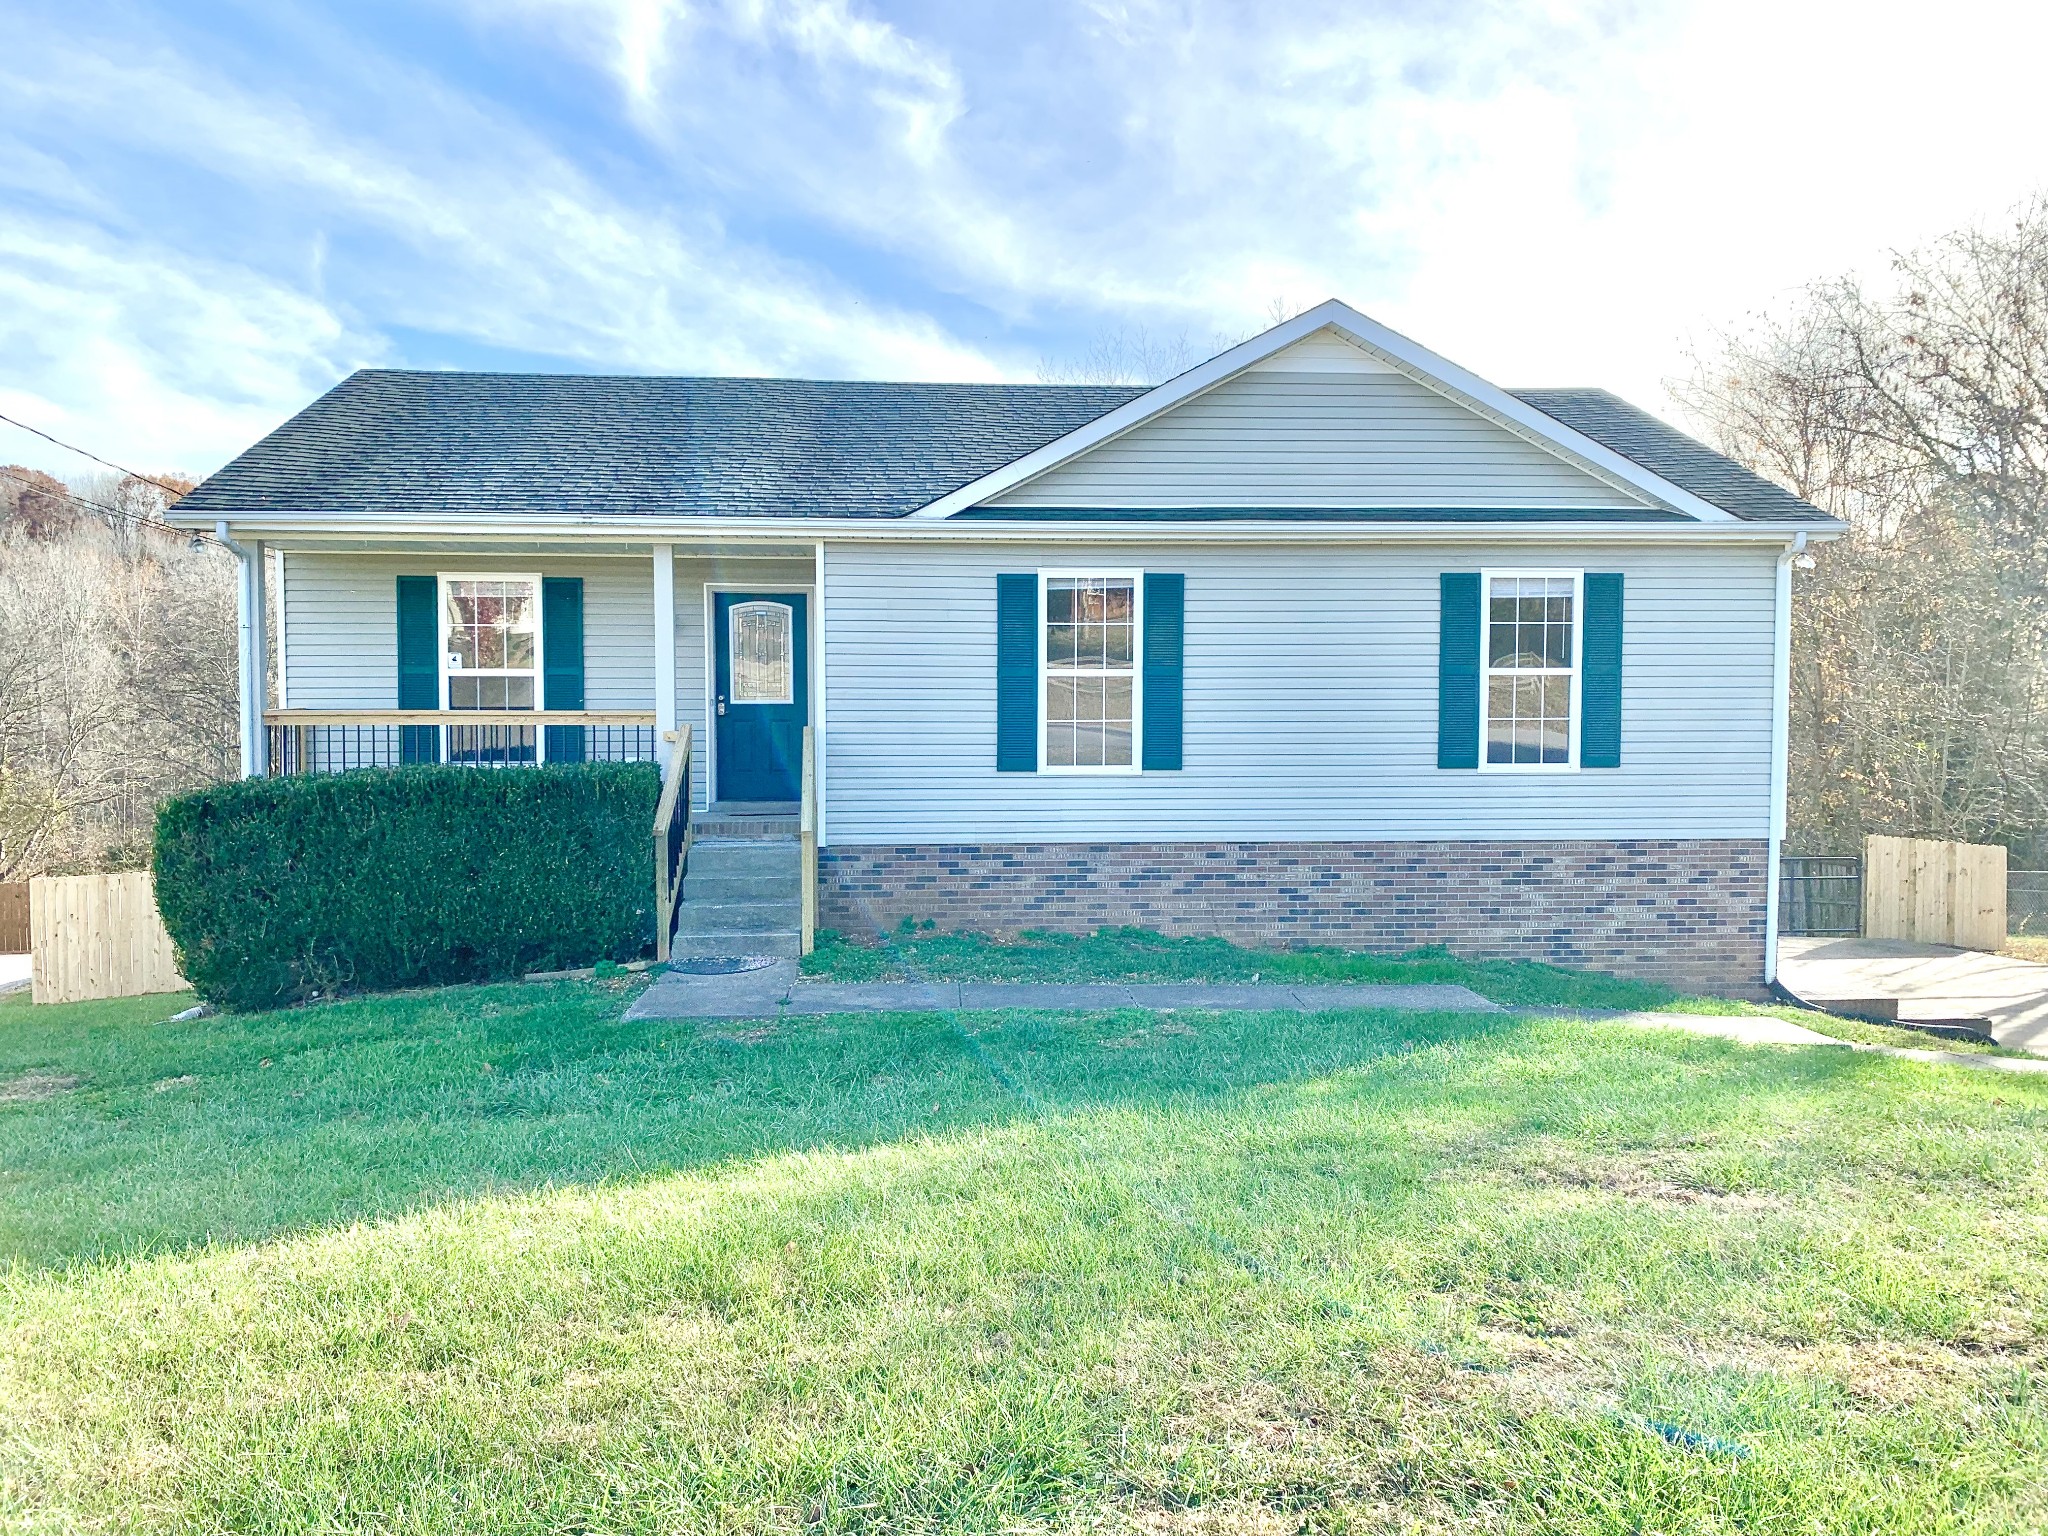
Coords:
639,531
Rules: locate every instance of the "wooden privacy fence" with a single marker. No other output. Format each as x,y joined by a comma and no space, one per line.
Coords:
98,936
14,918
1934,893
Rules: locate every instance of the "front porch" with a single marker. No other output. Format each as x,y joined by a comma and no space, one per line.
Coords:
705,660
501,654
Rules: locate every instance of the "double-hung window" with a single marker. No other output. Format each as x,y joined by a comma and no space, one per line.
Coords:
491,659
1531,687
1090,670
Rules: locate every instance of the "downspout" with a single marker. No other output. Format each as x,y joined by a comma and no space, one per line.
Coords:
1781,735
249,686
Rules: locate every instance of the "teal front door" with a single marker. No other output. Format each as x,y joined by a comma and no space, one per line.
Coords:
762,698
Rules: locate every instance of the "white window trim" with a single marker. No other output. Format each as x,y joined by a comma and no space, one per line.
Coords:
1096,573
442,578
1487,672
732,645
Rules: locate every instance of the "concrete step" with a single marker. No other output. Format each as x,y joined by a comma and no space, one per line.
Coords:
737,916
776,885
710,824
782,943
742,850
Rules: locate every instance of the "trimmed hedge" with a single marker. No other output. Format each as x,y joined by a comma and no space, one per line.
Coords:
275,889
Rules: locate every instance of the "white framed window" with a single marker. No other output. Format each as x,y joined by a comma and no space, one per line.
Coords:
490,641
1529,651
1088,661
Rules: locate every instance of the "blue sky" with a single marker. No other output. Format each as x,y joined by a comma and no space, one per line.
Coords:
210,212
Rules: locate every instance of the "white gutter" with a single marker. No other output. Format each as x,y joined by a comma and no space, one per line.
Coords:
1781,737
797,535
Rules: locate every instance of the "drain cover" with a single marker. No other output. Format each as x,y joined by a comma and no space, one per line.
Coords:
720,965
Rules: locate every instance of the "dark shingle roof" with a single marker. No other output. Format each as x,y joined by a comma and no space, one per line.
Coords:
441,443
1687,463
435,444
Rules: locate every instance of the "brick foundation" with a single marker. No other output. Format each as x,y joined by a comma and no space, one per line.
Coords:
1688,912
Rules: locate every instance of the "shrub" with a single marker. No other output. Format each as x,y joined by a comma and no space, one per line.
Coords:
274,889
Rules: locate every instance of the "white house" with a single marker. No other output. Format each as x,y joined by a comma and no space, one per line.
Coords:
1326,640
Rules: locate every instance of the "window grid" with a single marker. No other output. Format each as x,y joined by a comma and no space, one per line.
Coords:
1089,640
491,659
1530,646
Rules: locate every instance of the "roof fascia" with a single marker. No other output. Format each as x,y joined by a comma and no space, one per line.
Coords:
392,530
1409,357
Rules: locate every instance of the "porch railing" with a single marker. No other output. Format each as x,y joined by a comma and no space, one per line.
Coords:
334,741
807,842
673,835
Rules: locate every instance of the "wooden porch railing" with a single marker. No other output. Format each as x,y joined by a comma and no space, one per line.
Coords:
673,835
807,841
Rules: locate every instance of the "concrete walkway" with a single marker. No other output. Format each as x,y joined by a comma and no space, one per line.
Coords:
776,990
14,973
1930,981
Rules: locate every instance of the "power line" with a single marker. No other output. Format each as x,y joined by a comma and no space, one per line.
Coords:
97,506
161,485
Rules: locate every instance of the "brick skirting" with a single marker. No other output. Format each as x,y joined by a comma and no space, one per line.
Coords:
1689,912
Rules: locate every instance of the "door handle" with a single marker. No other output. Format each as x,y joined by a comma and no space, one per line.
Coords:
721,703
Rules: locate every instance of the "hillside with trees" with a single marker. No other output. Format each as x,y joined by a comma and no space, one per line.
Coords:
1917,409
117,669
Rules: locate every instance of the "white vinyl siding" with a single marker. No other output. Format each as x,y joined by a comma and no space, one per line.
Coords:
1319,439
1310,702
341,644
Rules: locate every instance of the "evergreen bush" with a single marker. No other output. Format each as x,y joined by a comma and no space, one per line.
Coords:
277,889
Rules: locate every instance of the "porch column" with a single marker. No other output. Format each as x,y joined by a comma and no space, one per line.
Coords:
664,650
249,665
259,650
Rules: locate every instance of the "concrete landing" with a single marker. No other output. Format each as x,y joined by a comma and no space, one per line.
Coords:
777,990
1930,981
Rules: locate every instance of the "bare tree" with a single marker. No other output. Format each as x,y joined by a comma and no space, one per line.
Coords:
1917,411
117,682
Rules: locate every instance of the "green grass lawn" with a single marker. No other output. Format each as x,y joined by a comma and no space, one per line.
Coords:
489,1259
1135,954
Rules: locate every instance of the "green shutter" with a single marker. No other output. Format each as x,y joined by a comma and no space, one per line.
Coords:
1457,671
561,649
1017,674
1600,672
419,665
1165,610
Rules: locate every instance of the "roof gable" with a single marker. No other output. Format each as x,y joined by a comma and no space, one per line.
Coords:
1319,431
1592,460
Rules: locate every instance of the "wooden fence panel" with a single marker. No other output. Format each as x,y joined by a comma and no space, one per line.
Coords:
95,936
14,918
1932,892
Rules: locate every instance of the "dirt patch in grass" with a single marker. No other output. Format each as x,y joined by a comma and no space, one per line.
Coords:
753,1034
1630,1176
35,1087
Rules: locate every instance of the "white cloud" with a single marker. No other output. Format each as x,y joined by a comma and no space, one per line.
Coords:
1548,192
152,358
1554,192
453,219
